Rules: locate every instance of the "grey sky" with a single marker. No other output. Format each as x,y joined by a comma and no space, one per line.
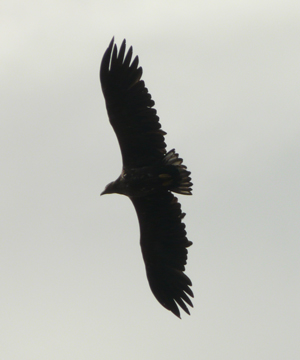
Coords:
225,79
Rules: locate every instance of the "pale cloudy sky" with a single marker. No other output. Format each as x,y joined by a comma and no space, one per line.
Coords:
226,82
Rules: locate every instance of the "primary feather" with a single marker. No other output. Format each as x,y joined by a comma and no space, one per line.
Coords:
148,178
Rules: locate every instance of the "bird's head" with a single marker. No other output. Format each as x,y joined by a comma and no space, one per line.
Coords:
109,188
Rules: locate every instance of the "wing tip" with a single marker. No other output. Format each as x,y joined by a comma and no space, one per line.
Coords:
104,67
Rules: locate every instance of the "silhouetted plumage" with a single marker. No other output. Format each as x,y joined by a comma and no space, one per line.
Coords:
149,176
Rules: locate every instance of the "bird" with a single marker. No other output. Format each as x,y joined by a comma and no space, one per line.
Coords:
149,177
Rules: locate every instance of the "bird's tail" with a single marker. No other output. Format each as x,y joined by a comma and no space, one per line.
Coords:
176,177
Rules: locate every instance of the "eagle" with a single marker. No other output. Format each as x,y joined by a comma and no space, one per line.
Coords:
149,177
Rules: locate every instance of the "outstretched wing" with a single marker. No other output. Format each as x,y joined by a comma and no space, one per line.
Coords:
130,108
164,247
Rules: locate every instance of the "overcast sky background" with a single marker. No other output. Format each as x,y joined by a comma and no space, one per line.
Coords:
226,82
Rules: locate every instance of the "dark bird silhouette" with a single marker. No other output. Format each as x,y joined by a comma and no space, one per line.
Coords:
149,176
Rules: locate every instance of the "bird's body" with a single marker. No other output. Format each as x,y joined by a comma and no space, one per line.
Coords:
149,176
142,181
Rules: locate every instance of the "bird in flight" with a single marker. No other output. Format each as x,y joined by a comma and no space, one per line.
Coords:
149,177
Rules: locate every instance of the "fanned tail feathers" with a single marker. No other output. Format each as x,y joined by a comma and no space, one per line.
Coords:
181,181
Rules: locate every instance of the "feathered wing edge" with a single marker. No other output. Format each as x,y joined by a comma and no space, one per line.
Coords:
164,247
112,59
